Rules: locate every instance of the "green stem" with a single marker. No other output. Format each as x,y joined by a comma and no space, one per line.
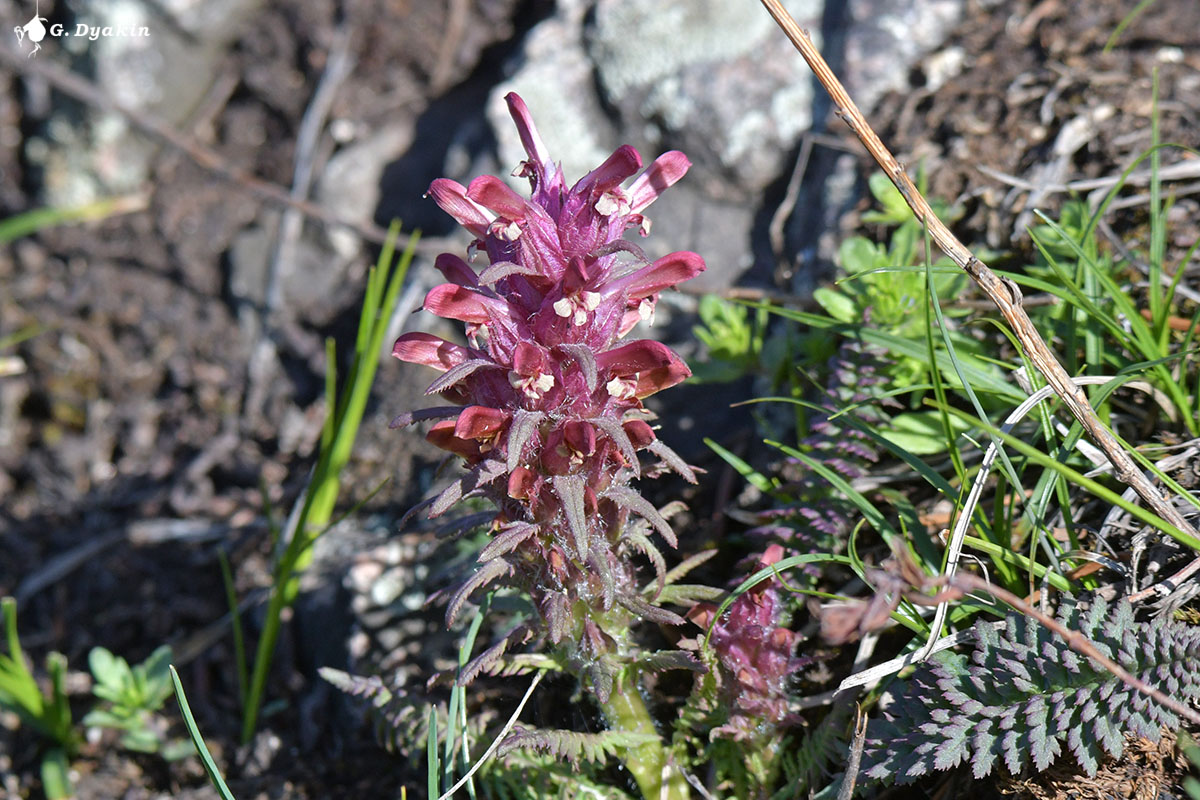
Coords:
627,712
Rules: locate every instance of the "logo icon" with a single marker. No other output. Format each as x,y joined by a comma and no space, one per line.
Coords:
35,29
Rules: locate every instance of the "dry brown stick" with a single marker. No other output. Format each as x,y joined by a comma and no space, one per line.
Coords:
87,92
1166,587
855,760
1001,291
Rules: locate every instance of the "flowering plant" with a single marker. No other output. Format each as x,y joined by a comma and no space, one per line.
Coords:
547,407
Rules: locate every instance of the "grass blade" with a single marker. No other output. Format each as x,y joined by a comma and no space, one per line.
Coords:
210,766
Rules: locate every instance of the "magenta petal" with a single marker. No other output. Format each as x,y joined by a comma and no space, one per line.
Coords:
456,270
666,169
424,348
451,196
479,422
663,273
526,129
458,302
528,359
491,192
654,364
442,435
616,168
664,377
629,359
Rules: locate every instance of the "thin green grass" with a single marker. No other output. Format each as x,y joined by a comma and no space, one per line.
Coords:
337,440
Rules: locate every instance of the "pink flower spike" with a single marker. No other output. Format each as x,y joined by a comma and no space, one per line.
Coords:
493,193
458,302
662,274
456,270
429,350
526,129
666,170
451,196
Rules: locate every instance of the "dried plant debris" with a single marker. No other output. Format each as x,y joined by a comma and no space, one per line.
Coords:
1023,696
1148,770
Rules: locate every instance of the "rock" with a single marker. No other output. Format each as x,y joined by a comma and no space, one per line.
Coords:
165,73
718,81
722,84
349,183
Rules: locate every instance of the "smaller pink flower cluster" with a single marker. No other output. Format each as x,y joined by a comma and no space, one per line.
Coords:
754,652
548,408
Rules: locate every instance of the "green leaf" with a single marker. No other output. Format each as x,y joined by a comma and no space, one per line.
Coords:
431,754
176,750
140,740
895,210
756,478
836,304
111,672
860,255
920,432
103,718
56,775
210,766
157,667
117,695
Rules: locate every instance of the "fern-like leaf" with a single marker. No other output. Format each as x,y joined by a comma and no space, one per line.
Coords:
573,746
1024,697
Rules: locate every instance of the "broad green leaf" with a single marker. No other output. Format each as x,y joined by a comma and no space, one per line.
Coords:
920,432
109,670
836,304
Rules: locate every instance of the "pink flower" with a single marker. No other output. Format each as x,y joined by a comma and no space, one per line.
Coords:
552,420
754,653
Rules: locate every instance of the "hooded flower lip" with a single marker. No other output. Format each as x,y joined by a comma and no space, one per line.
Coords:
666,170
461,303
662,274
451,196
430,350
607,177
455,270
530,139
650,365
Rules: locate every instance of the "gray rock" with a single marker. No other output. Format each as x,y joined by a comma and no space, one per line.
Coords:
349,182
716,80
887,37
165,73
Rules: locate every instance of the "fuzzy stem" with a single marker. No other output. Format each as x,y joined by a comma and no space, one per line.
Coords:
627,712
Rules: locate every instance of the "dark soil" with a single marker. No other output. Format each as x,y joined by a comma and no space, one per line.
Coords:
130,453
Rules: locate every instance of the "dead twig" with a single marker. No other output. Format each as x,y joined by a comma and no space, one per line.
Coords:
1002,292
261,366
855,760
